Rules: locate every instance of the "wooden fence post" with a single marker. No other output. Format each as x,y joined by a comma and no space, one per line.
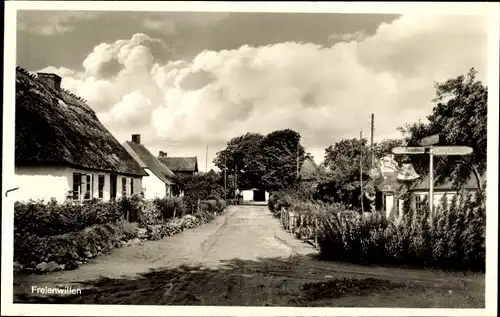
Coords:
316,231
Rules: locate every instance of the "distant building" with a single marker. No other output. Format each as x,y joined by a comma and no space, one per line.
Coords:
309,169
394,180
62,150
180,165
420,190
255,195
158,183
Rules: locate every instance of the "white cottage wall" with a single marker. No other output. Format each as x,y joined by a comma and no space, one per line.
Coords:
437,196
41,183
45,183
153,186
247,195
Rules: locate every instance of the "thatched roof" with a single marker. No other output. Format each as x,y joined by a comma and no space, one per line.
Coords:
147,160
180,164
55,127
309,169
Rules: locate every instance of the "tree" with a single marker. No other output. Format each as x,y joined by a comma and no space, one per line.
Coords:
279,154
241,159
385,146
268,162
460,117
342,182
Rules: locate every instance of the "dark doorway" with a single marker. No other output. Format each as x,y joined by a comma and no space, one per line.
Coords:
112,188
259,195
379,201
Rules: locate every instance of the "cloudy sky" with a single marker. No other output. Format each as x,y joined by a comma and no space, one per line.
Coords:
187,80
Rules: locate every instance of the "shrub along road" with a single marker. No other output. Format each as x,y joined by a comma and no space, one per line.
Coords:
245,258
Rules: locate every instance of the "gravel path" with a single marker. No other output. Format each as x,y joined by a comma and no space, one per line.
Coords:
243,257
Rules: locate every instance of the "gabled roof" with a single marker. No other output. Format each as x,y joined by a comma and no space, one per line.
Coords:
180,164
57,128
308,169
147,160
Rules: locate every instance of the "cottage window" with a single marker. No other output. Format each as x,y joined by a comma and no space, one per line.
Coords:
82,186
77,182
124,186
131,186
88,187
101,186
419,203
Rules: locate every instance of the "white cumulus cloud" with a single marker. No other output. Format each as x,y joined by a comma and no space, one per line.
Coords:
325,93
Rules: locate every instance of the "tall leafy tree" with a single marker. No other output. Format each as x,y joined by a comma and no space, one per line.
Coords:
281,150
385,146
460,117
342,182
257,161
241,160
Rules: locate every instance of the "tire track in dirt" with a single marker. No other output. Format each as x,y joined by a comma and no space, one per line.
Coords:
215,237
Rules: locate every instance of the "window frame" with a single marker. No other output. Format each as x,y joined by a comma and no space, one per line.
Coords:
124,186
100,191
419,202
85,187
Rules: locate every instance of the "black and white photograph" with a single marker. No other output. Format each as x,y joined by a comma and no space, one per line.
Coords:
217,159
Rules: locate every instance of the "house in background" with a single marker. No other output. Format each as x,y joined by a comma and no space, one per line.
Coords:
254,195
159,182
180,165
395,179
309,170
420,190
61,148
390,182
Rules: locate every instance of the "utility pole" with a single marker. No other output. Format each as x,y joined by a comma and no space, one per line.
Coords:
206,161
361,168
431,183
372,127
235,180
298,168
225,178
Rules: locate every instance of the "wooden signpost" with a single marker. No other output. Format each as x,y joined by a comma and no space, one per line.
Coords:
428,146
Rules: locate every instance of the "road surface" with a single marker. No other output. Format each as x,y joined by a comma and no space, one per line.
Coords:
245,258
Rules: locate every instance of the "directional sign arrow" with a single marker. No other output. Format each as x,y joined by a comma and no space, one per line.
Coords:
430,140
452,150
408,150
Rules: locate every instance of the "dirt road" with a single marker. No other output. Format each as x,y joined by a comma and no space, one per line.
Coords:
245,258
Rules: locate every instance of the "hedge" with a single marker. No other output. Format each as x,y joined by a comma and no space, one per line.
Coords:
71,249
454,240
61,236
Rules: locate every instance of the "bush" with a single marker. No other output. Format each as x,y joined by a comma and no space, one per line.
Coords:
170,207
131,207
151,214
41,219
455,239
71,248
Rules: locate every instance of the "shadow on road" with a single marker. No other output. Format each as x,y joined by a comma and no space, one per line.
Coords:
295,281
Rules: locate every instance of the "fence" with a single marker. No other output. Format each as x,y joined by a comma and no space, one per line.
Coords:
304,227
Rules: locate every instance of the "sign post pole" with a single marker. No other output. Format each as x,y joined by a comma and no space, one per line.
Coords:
428,146
431,183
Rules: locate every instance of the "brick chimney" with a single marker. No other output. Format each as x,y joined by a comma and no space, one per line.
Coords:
162,154
136,138
51,80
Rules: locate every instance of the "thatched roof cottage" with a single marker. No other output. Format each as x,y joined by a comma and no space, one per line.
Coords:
159,182
62,150
180,165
